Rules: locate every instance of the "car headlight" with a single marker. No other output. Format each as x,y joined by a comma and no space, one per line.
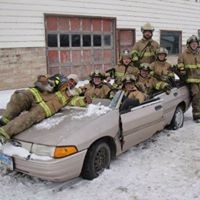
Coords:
55,152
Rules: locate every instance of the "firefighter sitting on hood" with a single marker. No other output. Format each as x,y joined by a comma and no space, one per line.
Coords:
97,87
30,106
149,84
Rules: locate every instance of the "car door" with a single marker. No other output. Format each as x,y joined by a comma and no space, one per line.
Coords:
142,122
170,103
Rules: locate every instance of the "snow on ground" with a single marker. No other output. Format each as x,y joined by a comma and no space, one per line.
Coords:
166,167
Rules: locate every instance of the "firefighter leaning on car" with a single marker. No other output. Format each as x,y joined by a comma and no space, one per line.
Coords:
149,84
124,67
161,69
96,88
189,66
30,106
144,51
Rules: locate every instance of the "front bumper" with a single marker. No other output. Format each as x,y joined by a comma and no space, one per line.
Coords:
53,170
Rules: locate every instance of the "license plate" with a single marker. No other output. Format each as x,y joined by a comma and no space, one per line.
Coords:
6,162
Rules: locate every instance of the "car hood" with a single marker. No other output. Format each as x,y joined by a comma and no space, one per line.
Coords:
64,128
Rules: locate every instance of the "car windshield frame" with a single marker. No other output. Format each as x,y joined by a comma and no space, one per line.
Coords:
116,101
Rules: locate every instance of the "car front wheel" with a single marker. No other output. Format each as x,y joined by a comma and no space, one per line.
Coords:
97,159
178,119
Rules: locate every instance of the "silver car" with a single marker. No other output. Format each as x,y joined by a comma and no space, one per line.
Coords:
85,146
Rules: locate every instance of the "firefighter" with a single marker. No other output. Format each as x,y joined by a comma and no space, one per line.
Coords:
132,96
149,84
161,69
144,51
27,107
124,67
96,88
189,66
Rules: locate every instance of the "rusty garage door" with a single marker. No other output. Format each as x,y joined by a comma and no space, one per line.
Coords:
79,44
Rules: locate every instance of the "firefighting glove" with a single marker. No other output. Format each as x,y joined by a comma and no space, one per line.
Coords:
88,100
182,72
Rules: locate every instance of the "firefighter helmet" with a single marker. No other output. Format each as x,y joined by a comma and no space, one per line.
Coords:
162,50
129,79
126,53
192,38
145,66
97,73
74,77
59,80
147,27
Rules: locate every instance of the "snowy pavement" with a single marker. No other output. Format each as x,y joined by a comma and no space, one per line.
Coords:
166,167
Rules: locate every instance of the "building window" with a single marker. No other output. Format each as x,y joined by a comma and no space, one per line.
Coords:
107,40
96,40
87,40
64,40
76,40
52,40
171,40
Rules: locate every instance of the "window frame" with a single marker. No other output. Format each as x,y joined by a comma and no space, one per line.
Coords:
198,33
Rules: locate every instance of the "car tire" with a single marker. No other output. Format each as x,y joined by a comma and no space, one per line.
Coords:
178,119
97,159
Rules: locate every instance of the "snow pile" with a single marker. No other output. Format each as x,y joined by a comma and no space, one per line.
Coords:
5,96
93,110
50,122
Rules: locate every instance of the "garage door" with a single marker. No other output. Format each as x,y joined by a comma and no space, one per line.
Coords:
79,44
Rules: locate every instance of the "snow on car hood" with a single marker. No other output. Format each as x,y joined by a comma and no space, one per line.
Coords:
58,127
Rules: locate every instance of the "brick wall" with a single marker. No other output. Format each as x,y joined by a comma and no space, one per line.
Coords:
19,67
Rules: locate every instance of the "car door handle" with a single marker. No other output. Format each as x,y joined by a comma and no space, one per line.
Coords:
158,107
175,94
